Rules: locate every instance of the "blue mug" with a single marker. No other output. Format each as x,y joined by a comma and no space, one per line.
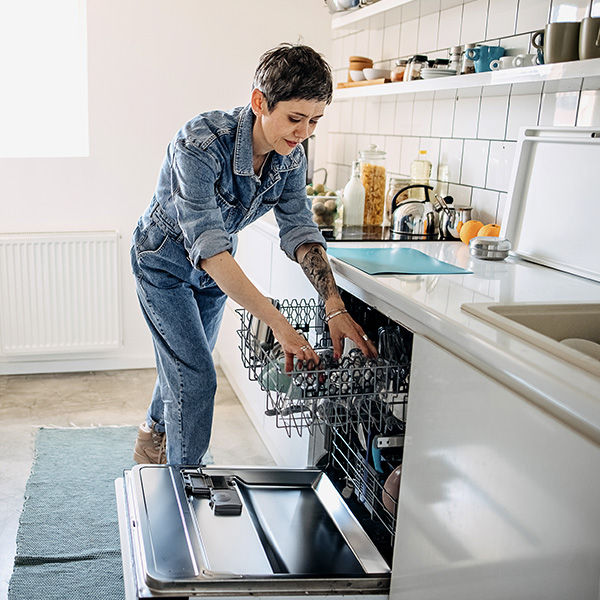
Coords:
482,56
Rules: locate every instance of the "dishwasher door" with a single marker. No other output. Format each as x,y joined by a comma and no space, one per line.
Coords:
220,531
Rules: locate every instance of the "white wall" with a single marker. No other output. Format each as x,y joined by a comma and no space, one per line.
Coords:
153,64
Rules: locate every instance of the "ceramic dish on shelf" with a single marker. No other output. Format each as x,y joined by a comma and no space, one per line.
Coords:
436,73
377,73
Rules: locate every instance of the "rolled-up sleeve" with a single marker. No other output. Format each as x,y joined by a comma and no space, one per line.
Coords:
195,172
294,216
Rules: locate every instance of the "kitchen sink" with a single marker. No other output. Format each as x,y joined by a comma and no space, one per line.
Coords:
570,331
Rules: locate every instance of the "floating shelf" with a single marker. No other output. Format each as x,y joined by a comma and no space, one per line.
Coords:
358,14
517,76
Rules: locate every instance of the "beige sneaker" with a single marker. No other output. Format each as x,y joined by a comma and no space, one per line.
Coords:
150,447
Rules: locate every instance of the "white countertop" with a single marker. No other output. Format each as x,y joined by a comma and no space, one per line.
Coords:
430,305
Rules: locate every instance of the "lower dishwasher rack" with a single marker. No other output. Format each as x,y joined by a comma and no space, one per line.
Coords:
248,531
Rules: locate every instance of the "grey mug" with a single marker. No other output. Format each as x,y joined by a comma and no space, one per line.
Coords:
589,38
559,42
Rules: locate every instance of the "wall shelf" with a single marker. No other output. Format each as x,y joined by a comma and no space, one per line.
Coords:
517,76
346,18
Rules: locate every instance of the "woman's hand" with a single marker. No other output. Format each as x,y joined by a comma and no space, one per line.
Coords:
296,345
342,326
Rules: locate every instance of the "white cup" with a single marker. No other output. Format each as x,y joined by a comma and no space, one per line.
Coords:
526,60
504,62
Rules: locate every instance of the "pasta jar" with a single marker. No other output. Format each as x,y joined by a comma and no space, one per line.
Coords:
372,175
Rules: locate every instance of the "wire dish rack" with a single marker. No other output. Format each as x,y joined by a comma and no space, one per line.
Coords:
358,403
343,394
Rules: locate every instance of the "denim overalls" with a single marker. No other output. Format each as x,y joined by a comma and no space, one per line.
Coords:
207,191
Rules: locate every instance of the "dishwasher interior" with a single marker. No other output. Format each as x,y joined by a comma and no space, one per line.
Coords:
325,529
357,404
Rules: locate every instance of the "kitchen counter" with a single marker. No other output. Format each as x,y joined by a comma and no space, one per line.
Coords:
430,305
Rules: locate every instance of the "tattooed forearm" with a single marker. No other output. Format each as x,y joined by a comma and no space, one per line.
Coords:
317,269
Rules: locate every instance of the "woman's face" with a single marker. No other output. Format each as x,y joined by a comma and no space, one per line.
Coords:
286,126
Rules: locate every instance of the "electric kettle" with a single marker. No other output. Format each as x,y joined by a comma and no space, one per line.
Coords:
414,219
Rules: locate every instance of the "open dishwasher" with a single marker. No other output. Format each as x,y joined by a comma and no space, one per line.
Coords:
190,531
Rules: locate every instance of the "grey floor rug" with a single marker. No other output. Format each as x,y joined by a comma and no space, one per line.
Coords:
68,537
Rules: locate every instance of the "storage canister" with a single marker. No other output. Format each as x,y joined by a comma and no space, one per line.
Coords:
372,175
395,184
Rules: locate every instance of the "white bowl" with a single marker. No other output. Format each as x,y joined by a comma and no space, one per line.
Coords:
377,73
357,75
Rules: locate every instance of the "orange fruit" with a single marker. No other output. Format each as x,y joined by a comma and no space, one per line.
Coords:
469,230
459,227
493,229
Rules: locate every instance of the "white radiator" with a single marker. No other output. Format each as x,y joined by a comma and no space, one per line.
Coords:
59,292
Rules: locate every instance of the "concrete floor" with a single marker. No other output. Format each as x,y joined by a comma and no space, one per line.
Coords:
93,399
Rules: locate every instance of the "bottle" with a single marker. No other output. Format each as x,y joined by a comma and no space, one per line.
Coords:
399,70
354,198
420,172
414,66
372,175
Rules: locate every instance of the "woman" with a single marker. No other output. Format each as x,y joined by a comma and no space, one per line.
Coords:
222,171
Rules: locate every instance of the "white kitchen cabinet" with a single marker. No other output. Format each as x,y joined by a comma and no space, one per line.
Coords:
498,499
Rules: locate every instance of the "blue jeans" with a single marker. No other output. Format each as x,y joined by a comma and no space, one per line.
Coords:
183,308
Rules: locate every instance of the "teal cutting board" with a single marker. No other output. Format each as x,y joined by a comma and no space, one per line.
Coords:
400,261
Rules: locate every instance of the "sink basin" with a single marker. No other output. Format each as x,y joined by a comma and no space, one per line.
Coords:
551,327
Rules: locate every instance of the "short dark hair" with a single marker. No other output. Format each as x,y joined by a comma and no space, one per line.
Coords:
293,72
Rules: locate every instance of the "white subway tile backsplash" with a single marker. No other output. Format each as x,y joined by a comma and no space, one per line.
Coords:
461,194
442,118
421,117
589,109
410,151
372,114
393,147
474,22
428,33
523,111
492,117
451,154
559,109
403,119
486,203
391,42
502,17
471,134
466,117
449,29
475,162
533,14
500,165
429,7
409,33
387,116
359,109
569,10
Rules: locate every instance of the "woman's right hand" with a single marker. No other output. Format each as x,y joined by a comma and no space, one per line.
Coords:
295,345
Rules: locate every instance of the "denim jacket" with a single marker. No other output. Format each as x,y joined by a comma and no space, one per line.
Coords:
207,190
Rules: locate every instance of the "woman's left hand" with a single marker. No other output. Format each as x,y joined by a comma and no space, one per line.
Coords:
344,326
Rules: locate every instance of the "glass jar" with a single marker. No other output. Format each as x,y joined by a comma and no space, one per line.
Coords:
395,184
414,66
467,66
399,70
372,175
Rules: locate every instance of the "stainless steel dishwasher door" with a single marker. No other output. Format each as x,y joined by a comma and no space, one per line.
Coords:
293,535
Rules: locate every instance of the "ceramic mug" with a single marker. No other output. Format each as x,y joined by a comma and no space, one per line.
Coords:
504,62
526,60
589,38
482,56
559,42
